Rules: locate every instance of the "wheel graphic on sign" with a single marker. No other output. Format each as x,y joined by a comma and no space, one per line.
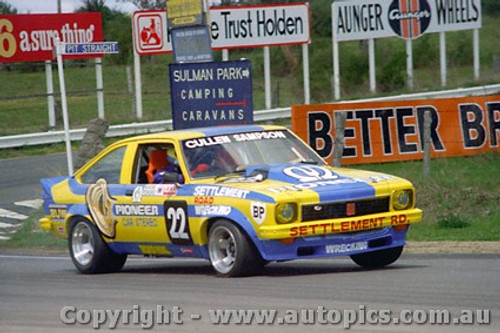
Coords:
150,32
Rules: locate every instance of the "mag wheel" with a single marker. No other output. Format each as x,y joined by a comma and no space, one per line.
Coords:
89,252
379,258
231,252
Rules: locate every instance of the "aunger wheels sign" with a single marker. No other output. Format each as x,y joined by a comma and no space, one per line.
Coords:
32,37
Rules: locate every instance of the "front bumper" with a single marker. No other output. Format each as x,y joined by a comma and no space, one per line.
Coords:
341,225
333,245
58,228
45,223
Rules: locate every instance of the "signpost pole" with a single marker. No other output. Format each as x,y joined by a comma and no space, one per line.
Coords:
225,55
409,64
99,87
475,40
267,76
305,64
442,57
371,62
137,80
60,67
335,46
50,94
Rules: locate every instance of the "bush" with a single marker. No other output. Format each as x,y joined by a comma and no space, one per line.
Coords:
491,7
392,76
426,51
354,69
460,52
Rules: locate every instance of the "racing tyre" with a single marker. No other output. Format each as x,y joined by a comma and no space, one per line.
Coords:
379,258
89,252
231,251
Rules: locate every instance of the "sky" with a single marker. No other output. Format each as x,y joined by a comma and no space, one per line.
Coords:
67,6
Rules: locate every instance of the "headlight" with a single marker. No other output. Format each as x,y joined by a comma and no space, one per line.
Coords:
402,199
286,213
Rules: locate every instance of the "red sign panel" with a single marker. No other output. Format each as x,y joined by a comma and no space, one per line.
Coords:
31,37
149,31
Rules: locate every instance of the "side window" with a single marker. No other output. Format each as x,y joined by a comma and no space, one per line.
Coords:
152,158
108,167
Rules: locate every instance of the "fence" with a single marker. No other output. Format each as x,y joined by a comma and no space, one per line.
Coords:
263,115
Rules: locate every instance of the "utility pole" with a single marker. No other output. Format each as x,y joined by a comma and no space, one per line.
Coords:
59,6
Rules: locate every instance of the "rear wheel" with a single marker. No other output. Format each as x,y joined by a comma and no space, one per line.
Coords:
379,258
231,252
89,252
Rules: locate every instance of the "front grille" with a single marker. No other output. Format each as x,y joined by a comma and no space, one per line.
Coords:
339,209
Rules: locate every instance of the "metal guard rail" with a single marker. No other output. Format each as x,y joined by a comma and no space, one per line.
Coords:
32,139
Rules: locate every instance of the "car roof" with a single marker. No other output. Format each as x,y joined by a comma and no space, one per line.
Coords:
200,132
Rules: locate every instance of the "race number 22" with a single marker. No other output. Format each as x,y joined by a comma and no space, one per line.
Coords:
177,222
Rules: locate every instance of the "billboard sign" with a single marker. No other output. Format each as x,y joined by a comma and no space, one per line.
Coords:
231,27
408,19
262,25
149,32
182,13
378,132
31,37
211,94
192,44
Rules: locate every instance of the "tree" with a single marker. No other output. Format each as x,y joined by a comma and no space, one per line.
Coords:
91,6
116,27
149,4
6,8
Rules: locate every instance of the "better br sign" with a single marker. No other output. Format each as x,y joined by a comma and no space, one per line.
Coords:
211,94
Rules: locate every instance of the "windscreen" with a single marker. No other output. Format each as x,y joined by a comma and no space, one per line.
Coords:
214,156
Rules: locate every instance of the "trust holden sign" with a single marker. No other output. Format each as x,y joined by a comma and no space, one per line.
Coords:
232,27
260,25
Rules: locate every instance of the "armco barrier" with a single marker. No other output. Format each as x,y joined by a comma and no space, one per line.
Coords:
32,139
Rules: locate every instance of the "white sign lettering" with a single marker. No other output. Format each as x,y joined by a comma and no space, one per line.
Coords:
235,27
364,19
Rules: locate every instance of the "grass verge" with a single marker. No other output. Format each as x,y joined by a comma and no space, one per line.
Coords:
30,235
460,198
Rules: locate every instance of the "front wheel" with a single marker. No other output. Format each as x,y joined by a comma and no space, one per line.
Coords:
89,252
231,252
378,258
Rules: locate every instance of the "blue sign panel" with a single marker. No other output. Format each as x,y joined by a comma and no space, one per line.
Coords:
211,94
91,48
191,44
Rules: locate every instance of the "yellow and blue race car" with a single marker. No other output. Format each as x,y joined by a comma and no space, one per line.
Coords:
239,196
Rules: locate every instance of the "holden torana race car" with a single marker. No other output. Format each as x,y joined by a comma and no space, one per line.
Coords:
239,196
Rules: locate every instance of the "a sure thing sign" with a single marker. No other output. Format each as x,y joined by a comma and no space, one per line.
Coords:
393,131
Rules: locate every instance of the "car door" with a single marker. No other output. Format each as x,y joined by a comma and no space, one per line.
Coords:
143,218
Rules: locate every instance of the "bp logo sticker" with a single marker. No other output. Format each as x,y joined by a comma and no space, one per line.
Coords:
409,19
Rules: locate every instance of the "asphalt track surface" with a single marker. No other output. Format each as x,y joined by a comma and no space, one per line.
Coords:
35,289
20,177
